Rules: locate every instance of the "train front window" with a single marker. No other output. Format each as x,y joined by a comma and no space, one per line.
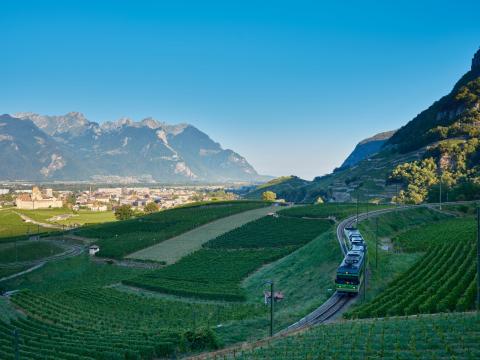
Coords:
346,280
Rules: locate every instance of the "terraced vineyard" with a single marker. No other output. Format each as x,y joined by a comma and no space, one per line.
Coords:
443,280
216,271
83,324
335,210
118,239
446,336
270,231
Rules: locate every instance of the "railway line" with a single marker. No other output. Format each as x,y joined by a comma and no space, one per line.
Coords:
337,302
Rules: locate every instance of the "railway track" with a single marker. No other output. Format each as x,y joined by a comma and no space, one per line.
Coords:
337,302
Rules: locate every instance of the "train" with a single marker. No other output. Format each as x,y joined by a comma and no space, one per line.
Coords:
350,273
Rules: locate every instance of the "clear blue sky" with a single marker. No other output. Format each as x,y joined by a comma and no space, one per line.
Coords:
292,86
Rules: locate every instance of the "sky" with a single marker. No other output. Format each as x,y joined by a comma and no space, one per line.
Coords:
290,85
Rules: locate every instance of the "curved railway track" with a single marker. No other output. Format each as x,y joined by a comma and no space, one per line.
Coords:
337,302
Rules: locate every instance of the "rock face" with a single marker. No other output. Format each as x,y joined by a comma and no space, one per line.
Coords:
70,147
476,61
367,148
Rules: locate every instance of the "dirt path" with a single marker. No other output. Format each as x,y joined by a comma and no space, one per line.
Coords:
42,224
173,249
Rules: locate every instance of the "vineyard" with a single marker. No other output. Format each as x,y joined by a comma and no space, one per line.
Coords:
121,238
442,280
83,324
208,274
27,251
71,273
446,336
215,272
270,231
333,210
434,234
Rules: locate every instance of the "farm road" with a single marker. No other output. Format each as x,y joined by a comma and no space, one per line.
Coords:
174,249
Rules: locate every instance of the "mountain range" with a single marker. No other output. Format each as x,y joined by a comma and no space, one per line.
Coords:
71,148
440,145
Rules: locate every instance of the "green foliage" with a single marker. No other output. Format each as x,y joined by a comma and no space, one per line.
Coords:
438,280
151,207
83,323
118,239
28,251
430,235
124,212
449,336
455,115
270,231
330,210
201,339
72,273
269,196
215,272
208,274
418,176
13,228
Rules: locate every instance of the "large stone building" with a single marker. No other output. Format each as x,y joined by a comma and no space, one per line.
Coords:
36,200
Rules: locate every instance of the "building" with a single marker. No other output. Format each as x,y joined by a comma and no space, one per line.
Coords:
92,250
36,200
97,207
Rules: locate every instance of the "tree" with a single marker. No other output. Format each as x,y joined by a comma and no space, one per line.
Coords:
123,212
151,207
269,196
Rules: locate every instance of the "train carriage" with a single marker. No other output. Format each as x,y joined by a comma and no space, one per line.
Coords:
350,273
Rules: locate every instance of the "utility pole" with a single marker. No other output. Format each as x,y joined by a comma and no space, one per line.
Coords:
396,192
376,242
15,344
272,297
440,191
365,276
356,221
478,257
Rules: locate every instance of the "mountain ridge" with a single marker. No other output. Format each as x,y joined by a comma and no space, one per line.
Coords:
440,145
70,147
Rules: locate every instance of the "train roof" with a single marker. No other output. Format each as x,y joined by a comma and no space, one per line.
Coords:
352,263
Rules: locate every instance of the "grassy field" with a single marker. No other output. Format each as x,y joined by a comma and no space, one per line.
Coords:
305,277
121,238
80,217
216,271
13,228
338,211
453,336
27,251
173,249
442,280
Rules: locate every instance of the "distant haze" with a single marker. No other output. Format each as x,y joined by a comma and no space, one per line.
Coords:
290,86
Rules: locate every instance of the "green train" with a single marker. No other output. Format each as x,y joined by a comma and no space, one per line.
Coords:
351,271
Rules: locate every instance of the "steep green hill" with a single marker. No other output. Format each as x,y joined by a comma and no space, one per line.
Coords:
440,144
286,187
